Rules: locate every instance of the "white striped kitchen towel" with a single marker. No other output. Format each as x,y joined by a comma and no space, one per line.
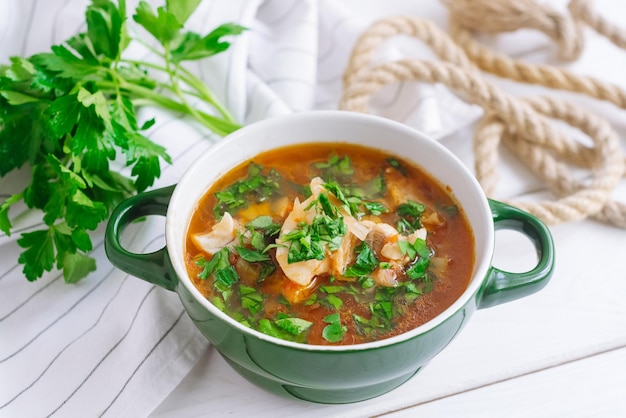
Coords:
113,345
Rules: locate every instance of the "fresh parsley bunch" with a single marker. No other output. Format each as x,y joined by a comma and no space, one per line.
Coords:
67,114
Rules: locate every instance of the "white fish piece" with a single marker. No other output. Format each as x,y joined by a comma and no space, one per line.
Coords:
301,272
222,235
419,233
316,186
359,229
385,277
380,235
392,251
344,255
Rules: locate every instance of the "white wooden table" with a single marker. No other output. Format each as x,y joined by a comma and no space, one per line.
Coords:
558,353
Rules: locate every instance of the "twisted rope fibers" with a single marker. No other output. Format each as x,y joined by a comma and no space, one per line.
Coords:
523,125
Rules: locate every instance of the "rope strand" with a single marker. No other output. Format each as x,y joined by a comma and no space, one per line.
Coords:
523,125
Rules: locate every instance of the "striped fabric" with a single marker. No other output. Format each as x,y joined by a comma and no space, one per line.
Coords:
114,345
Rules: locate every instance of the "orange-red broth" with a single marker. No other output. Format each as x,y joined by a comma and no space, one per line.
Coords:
450,237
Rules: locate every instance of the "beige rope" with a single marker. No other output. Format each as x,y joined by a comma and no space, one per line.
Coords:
464,18
548,166
497,16
522,125
583,12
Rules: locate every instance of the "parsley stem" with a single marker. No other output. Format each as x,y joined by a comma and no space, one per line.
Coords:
173,74
5,223
216,124
122,8
201,90
208,96
123,32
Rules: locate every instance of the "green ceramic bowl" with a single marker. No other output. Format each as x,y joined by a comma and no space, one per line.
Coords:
329,374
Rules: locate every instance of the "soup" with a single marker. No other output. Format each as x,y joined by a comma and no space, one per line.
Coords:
329,244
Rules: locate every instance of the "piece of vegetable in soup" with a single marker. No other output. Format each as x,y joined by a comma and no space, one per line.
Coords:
329,244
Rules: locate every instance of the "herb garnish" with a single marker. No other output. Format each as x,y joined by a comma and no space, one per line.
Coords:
293,325
420,254
257,187
263,232
357,199
251,299
70,112
326,231
396,164
331,300
225,275
336,168
285,327
334,331
410,217
365,263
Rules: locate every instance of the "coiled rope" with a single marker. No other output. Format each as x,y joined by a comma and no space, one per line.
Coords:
523,125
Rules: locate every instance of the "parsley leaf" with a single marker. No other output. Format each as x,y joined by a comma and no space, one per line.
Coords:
262,231
336,168
419,254
396,164
261,222
76,266
286,328
355,199
105,29
256,187
219,261
334,331
5,223
191,46
365,263
39,254
294,326
163,25
69,112
410,214
182,9
310,241
251,256
251,299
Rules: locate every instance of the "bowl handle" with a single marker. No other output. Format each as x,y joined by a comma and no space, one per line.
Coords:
153,267
502,286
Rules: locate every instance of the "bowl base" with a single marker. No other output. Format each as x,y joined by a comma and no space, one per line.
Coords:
322,395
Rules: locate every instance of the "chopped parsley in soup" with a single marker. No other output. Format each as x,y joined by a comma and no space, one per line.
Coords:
329,244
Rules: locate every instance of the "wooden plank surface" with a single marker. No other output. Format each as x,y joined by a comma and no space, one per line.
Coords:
578,319
595,387
560,352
